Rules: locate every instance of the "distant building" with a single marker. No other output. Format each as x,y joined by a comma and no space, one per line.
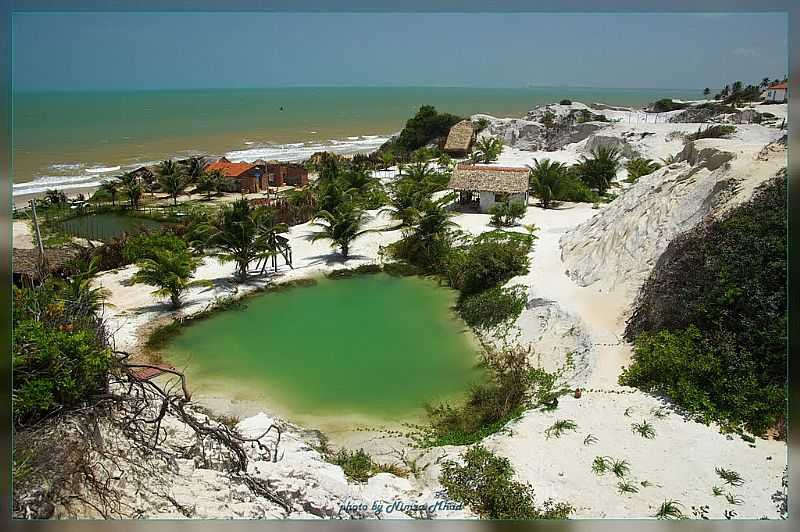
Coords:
777,93
249,177
459,140
280,174
487,185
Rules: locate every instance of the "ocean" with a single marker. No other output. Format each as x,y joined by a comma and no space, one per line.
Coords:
76,139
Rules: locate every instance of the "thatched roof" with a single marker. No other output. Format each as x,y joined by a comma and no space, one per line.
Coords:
26,261
460,137
475,178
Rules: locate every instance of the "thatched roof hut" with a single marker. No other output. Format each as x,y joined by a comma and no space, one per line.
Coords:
503,179
27,267
459,140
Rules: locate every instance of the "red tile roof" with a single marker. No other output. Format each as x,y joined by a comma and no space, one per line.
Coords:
781,85
230,169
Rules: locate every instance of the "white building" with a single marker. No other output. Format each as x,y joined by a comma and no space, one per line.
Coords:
777,93
484,186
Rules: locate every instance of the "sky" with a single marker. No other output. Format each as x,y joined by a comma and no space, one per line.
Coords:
127,51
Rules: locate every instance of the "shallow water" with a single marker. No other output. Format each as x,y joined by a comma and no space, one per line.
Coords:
104,227
370,347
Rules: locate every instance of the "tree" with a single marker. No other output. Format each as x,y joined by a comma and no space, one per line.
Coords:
341,226
387,159
764,83
599,170
112,187
167,167
488,149
236,236
425,126
546,180
173,184
737,87
638,167
211,182
171,271
706,91
195,168
133,190
270,233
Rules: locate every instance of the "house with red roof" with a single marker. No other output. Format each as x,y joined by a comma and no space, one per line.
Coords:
248,177
777,93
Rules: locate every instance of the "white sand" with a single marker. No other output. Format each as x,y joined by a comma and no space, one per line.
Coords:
563,316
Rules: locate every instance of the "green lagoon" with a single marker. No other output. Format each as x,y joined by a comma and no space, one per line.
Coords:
374,346
104,227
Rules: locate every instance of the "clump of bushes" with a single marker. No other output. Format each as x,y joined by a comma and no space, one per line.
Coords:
485,483
565,102
489,260
711,132
507,214
667,104
424,127
359,466
709,327
493,307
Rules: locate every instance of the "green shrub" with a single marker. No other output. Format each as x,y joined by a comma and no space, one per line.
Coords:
600,169
55,369
638,167
573,189
710,325
667,104
507,214
492,259
144,245
494,306
712,132
565,102
359,466
485,484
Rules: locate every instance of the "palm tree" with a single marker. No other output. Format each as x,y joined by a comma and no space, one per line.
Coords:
600,169
341,226
173,184
167,167
235,235
488,149
638,167
81,298
737,87
171,271
387,159
195,168
133,190
764,83
418,171
546,180
706,91
270,231
112,187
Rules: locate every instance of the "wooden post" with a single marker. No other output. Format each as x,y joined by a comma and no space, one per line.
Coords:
38,233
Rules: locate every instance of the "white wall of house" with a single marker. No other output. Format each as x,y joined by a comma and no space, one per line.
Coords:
776,95
487,199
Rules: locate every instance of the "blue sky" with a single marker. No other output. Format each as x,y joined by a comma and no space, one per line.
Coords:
88,51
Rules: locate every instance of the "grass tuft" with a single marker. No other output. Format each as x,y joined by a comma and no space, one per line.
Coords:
669,509
626,487
620,468
644,429
729,476
559,427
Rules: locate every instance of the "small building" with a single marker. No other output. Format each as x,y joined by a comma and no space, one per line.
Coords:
248,176
280,174
459,140
29,267
484,186
777,93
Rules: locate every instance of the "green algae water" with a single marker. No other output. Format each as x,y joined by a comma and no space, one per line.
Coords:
374,346
104,227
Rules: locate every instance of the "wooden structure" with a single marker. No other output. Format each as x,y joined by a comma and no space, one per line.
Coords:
280,174
249,177
29,266
487,185
459,140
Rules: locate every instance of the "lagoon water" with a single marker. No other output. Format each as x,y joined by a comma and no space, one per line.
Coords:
74,139
374,346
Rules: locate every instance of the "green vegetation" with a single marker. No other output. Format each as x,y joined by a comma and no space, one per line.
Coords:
715,131
547,181
644,429
560,427
485,484
506,214
709,329
600,169
565,102
487,150
620,468
60,356
359,466
669,509
667,104
170,271
423,128
590,439
488,260
626,487
638,167
601,464
729,476
341,226
717,491
493,307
